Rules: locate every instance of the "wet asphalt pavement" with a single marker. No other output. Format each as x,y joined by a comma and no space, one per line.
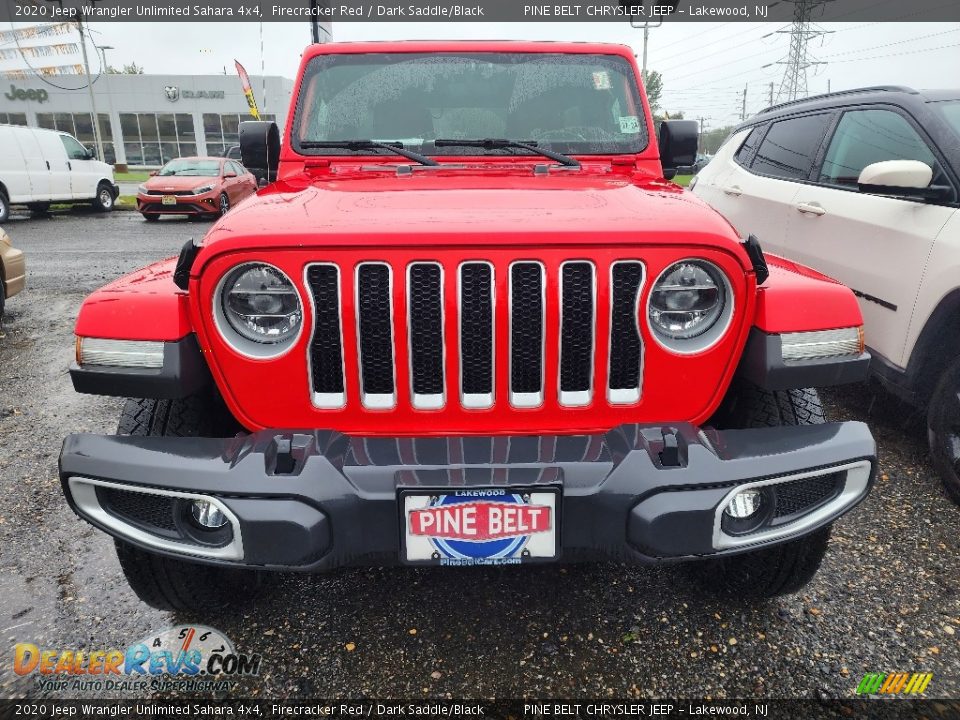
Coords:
886,598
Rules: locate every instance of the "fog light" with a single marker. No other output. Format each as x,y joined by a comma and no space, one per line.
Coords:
207,514
744,504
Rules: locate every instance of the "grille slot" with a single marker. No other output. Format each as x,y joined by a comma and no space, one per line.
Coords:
626,347
375,330
146,510
526,334
326,353
476,334
425,322
577,324
802,495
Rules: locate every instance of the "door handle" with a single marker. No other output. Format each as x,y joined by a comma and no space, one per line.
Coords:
733,190
69,166
810,209
48,164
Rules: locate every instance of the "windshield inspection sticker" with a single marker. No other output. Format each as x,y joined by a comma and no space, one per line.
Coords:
629,124
601,80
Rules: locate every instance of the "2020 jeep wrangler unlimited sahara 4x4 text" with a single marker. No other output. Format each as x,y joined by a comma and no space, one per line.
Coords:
469,322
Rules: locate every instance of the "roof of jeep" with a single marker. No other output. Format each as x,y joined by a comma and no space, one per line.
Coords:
476,46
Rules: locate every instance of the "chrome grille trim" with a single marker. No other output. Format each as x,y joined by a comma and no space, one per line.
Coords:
625,395
426,401
578,398
477,401
526,399
325,400
371,400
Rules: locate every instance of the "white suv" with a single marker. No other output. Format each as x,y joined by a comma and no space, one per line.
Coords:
863,185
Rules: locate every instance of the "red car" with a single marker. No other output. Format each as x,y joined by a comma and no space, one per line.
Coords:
197,186
469,323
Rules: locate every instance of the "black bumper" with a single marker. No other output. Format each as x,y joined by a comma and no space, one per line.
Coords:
318,500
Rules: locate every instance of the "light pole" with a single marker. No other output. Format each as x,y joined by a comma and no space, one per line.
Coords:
106,85
93,104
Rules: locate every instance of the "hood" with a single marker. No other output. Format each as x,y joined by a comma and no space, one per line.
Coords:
471,209
179,182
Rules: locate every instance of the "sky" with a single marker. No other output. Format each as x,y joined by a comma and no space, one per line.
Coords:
705,66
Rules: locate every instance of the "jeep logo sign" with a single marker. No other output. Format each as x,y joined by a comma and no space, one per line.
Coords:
16,93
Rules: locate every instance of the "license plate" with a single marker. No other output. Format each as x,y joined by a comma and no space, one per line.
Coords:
169,200
491,526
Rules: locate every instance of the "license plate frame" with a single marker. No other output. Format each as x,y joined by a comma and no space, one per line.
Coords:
168,200
539,546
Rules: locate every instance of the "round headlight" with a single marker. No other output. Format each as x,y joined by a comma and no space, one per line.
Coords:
261,304
687,300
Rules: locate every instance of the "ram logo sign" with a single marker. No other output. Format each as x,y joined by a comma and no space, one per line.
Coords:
894,683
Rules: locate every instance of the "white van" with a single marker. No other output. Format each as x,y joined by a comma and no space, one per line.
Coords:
39,167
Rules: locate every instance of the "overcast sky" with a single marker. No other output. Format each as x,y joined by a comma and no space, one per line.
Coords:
705,65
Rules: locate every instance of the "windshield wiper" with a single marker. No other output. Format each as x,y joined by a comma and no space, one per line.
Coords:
396,147
500,144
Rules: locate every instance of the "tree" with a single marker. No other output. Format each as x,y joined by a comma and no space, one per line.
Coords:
711,140
129,69
653,84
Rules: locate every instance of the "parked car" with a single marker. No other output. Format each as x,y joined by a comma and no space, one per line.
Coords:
13,271
39,167
439,348
863,186
198,186
701,162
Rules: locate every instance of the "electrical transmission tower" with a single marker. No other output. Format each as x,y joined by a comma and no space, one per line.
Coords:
794,82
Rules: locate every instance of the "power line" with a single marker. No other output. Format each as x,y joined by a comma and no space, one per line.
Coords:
794,82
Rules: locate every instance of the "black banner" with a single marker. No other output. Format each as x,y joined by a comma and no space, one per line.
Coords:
874,709
638,11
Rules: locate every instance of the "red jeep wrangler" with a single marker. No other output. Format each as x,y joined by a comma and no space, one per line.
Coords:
470,322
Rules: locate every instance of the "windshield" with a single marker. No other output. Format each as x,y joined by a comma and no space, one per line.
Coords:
571,104
198,168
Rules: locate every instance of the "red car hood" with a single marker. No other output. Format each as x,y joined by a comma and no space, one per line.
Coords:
179,182
470,210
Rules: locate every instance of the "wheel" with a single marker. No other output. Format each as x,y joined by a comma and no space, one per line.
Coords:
781,569
39,208
224,204
4,207
167,583
104,199
943,429
151,217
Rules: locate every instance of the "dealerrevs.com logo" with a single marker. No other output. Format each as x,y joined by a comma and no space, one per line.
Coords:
184,657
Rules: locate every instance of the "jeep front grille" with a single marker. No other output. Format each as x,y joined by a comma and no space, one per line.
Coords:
566,295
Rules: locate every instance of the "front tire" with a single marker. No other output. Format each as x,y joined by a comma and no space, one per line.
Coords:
781,569
943,429
103,202
224,204
4,207
168,583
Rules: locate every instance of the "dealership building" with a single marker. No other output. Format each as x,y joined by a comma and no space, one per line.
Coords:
145,120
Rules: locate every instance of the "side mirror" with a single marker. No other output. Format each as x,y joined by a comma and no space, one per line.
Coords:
91,155
153,173
229,174
901,178
678,144
260,147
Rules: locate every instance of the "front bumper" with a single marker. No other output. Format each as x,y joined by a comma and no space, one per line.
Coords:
204,204
319,500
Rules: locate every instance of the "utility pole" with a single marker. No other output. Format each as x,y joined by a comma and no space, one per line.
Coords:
771,93
93,104
743,107
703,121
